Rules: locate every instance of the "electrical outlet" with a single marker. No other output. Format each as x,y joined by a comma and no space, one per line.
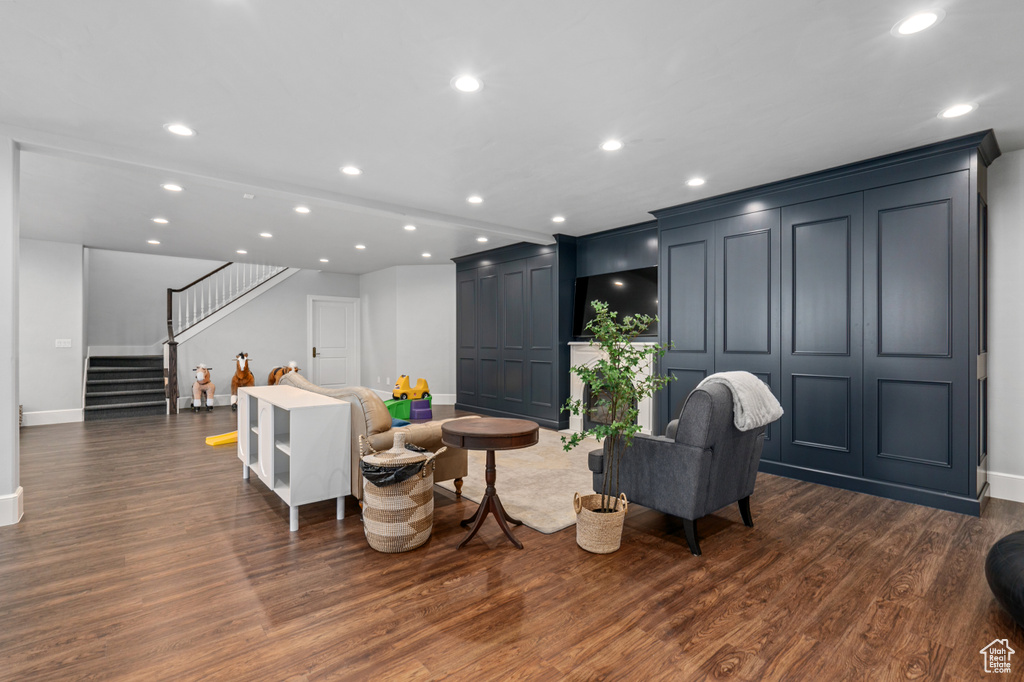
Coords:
62,343
387,380
378,380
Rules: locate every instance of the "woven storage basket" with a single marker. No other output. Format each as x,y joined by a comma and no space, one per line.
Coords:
399,517
599,532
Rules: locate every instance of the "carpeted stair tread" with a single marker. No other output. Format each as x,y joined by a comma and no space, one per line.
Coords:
124,386
148,403
141,391
127,368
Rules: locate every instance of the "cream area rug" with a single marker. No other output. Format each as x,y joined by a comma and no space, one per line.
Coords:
535,484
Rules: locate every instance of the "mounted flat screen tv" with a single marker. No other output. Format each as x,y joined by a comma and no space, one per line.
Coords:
629,292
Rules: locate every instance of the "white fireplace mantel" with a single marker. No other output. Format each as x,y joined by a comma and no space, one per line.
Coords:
582,353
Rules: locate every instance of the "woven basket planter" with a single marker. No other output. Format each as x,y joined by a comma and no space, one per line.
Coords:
399,517
599,532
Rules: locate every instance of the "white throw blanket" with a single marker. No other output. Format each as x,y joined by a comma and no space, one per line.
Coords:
753,404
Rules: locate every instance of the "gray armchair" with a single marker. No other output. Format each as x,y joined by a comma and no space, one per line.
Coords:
701,464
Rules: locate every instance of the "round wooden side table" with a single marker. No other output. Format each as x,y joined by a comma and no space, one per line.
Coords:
490,434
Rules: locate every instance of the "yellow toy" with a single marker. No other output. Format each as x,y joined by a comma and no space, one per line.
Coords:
403,392
223,439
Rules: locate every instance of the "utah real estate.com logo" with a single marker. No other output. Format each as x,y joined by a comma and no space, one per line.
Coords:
997,656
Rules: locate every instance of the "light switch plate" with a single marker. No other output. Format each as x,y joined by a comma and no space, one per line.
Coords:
63,343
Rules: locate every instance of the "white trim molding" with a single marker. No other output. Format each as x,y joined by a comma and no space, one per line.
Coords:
43,417
12,507
185,401
153,349
1006,486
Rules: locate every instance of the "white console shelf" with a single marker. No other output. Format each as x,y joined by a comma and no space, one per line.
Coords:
298,443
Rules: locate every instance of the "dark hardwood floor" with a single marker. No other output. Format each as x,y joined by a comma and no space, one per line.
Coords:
143,555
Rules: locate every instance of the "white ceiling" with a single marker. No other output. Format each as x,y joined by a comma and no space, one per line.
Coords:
283,94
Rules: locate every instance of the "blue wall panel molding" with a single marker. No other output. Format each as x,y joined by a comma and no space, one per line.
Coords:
856,295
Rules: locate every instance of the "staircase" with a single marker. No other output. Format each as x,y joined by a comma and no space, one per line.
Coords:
124,386
204,301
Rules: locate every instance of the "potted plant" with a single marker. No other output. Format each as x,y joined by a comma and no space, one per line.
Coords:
618,381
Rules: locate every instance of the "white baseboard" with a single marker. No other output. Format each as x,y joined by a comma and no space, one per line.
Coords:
154,349
1006,486
12,507
185,401
43,417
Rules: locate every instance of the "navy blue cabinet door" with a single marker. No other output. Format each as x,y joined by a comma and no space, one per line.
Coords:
916,333
466,337
747,313
687,309
542,337
488,325
822,334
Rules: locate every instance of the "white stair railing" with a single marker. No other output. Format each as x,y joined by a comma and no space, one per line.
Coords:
195,302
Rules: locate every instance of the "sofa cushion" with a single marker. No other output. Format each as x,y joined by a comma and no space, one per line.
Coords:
373,409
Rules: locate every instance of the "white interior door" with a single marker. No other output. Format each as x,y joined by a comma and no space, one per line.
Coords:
334,341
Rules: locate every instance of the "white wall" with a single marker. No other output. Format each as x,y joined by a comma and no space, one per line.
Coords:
408,327
127,296
378,300
1006,325
271,329
51,308
426,326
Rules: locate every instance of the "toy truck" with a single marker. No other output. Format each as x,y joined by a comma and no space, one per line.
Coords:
403,392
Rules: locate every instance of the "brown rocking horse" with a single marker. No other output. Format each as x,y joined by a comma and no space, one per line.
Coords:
242,377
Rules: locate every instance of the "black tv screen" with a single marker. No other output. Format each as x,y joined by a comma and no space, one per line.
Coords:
630,292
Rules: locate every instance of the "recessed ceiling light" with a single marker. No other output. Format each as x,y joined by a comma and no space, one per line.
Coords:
475,199
958,110
170,187
351,170
160,221
917,22
242,251
426,255
179,129
153,242
611,145
360,246
324,260
617,283
410,228
266,235
481,239
695,182
558,219
302,209
467,83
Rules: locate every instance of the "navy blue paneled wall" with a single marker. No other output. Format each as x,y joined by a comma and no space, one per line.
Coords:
855,295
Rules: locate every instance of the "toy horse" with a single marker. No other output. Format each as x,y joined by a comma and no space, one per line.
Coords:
202,385
242,377
278,372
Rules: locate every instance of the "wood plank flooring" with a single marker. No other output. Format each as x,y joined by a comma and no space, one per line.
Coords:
143,555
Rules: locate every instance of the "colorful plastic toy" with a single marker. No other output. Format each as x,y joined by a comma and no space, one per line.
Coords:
223,439
403,392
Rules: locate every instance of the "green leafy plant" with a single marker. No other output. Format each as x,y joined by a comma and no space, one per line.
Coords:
617,382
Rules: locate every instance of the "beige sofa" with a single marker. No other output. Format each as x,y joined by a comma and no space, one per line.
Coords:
370,418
